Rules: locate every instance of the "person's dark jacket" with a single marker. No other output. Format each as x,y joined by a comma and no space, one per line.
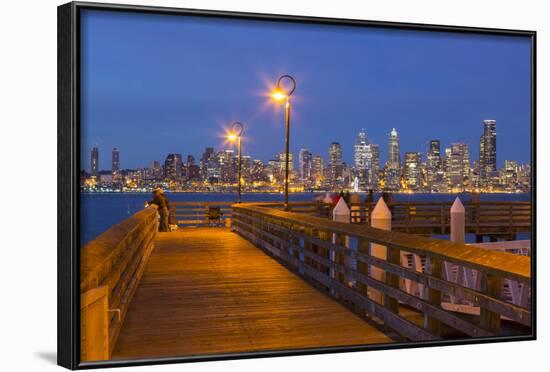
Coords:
165,200
159,201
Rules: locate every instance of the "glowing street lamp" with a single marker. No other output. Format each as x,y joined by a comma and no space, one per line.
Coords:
235,135
280,95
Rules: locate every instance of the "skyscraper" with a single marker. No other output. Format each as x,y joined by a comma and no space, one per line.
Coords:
228,166
433,165
305,158
360,153
373,166
157,170
172,167
318,169
509,174
95,162
115,164
335,165
488,153
411,170
393,165
393,149
206,156
258,171
192,171
459,165
282,165
246,168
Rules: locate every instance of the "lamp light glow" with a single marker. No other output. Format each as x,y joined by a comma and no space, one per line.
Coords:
278,95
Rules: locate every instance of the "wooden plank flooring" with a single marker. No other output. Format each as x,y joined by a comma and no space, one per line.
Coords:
207,290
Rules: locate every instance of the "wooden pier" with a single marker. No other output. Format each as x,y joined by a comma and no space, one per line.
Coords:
208,290
282,280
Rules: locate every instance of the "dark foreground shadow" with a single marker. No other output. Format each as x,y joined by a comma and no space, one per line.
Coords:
48,356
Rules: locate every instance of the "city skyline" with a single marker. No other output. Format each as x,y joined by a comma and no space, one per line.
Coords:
428,85
392,145
447,169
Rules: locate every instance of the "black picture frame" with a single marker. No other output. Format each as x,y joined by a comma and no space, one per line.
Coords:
68,177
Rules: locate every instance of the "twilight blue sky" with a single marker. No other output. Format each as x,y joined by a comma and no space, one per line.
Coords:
158,84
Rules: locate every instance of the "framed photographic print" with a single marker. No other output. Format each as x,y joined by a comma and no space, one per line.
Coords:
236,185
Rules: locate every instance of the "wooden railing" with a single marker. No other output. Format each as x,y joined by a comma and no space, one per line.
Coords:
482,218
338,258
196,213
111,267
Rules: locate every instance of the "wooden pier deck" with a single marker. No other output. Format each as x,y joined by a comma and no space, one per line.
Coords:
208,290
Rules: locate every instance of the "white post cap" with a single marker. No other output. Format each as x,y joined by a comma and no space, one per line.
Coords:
457,206
381,210
341,208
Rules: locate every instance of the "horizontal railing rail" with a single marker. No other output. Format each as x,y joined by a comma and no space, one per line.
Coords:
197,213
482,218
339,257
111,267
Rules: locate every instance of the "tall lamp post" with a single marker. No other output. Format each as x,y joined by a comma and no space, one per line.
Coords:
280,95
235,135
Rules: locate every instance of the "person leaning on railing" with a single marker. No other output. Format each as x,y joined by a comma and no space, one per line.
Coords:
161,201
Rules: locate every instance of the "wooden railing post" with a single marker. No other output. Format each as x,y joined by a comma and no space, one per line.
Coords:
434,297
94,324
489,319
341,213
355,201
394,257
363,268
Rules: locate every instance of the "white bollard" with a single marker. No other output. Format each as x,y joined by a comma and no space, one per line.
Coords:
457,235
458,222
381,219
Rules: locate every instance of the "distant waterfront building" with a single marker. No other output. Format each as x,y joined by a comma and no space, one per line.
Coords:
258,172
115,164
191,170
488,153
411,171
157,170
305,159
246,168
509,175
318,169
205,158
213,171
273,170
94,164
524,176
228,166
335,165
173,167
282,165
